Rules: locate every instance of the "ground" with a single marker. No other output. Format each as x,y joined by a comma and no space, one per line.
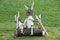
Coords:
49,9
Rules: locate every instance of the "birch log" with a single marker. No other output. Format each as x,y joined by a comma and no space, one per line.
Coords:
40,25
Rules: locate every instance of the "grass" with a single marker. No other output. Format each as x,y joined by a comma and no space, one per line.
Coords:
49,9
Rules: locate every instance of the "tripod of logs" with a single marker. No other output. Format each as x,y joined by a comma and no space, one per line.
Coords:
27,28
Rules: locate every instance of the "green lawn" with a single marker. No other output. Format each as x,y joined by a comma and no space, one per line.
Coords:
49,9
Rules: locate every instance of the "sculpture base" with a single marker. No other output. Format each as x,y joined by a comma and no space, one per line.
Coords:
27,32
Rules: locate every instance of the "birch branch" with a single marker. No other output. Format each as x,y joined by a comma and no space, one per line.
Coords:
40,25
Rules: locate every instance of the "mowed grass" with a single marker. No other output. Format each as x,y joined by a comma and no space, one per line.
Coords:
49,9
